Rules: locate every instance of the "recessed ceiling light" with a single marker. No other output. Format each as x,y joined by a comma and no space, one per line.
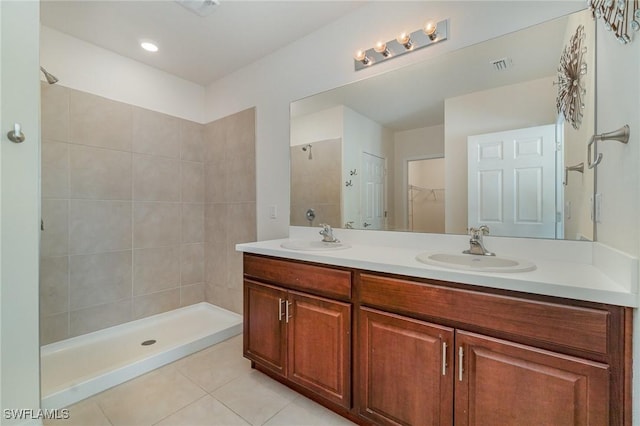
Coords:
148,46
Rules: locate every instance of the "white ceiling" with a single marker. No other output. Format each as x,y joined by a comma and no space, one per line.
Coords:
198,49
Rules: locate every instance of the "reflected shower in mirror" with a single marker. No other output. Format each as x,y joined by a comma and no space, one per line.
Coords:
470,137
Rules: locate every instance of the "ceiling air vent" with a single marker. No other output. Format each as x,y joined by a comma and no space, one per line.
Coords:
502,64
200,7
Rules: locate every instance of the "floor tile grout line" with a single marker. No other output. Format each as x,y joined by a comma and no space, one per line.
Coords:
180,409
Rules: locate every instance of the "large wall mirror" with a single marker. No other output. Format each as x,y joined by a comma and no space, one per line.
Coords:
470,137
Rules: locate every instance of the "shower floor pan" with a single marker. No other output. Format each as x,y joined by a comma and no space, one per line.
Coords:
76,368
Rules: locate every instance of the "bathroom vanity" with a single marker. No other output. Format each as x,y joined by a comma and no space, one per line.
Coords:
382,347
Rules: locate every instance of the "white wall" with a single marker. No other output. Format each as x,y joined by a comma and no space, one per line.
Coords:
323,60
618,176
319,126
504,108
426,142
83,66
361,134
20,211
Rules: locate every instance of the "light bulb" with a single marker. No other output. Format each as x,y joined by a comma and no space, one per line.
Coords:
405,40
381,48
361,56
430,30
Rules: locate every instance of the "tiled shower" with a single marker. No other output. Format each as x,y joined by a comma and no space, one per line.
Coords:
141,211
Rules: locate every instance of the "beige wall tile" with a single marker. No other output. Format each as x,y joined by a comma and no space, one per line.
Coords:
156,224
97,173
97,279
54,240
54,285
192,223
215,222
155,269
241,223
192,182
156,303
192,264
215,176
215,140
98,226
240,182
156,178
216,266
54,328
54,112
155,133
241,134
98,317
55,169
100,122
192,140
191,294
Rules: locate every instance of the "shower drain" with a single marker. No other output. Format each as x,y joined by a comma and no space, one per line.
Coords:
148,342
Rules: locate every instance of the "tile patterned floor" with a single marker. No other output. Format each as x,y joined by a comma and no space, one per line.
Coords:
213,387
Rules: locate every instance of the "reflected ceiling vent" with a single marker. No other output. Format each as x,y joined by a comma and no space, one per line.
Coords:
200,7
501,64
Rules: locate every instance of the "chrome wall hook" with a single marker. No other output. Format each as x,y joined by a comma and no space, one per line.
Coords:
620,135
16,134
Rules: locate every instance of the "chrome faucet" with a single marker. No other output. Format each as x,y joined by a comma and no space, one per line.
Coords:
475,242
327,234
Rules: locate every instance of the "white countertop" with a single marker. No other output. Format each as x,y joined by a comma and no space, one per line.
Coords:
575,275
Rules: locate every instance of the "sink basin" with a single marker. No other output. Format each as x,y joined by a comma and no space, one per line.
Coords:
470,262
305,245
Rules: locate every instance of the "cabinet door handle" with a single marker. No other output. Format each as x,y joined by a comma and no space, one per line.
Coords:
280,313
460,362
287,310
444,358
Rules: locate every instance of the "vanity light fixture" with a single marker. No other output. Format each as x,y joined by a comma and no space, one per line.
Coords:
406,42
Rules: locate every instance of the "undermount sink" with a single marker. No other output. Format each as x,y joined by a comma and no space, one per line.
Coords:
471,262
305,245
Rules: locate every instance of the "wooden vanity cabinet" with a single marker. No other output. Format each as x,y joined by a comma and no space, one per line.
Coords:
504,383
505,360
301,337
405,370
427,352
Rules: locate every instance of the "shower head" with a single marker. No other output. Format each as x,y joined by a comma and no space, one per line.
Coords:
308,148
51,79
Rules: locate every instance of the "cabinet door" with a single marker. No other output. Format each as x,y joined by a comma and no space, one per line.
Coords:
504,383
319,339
406,370
264,325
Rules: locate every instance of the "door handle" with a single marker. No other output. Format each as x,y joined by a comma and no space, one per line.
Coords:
280,313
444,358
287,311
